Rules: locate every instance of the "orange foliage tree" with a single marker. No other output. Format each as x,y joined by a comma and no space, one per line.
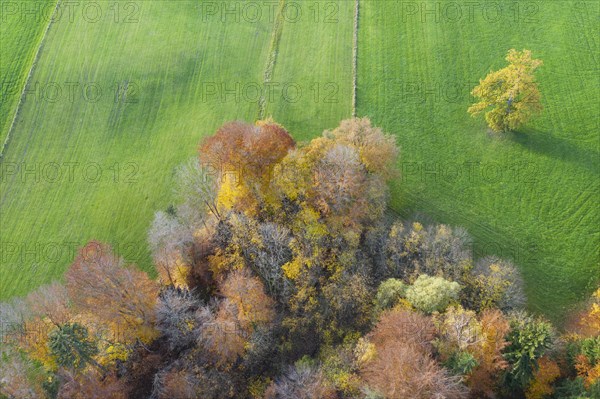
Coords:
543,377
112,294
402,366
247,293
222,335
494,327
242,156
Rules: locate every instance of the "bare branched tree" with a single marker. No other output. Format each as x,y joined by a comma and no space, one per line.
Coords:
270,256
402,371
175,317
197,187
300,382
13,378
51,301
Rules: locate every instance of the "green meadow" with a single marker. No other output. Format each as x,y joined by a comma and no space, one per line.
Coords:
20,38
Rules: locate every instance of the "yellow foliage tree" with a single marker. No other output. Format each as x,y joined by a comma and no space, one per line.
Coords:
34,341
173,270
509,97
591,319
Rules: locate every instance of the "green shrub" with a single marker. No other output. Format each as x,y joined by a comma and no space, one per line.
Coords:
389,292
461,363
430,294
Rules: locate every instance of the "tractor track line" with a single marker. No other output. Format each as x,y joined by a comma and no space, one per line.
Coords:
272,56
355,57
31,70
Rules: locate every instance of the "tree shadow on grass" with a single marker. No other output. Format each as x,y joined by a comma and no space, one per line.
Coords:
541,142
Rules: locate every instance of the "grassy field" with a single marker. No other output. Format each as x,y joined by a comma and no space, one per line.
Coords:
20,37
139,89
313,72
531,196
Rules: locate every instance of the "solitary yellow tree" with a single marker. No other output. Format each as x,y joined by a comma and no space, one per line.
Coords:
510,96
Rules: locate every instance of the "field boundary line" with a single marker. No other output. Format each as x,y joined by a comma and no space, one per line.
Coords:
272,56
355,57
31,69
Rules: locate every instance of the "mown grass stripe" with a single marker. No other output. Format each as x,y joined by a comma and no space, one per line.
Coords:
355,56
31,69
272,57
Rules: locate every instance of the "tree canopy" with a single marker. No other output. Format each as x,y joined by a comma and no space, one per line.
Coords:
282,273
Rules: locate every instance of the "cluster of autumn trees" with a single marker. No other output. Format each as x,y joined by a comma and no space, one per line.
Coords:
282,275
